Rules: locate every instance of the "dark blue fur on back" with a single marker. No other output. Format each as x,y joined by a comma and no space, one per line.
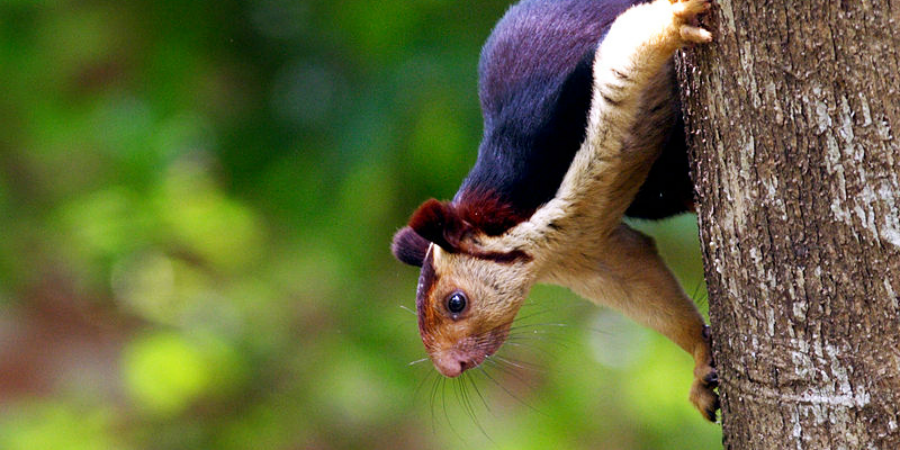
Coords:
535,78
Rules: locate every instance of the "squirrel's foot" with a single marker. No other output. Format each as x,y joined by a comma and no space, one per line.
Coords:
703,395
706,379
680,18
686,13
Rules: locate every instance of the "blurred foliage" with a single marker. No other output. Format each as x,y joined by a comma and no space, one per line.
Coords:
197,201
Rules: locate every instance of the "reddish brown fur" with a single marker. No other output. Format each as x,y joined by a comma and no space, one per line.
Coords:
486,212
439,223
427,282
449,224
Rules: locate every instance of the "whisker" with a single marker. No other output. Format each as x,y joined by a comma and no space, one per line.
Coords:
597,330
471,379
532,325
520,344
418,361
508,392
537,332
519,332
552,337
434,389
539,335
446,414
466,402
422,383
534,314
502,365
459,399
524,365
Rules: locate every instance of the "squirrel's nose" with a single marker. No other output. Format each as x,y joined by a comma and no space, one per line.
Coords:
452,365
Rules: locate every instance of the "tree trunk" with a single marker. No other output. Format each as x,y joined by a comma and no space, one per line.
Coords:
793,115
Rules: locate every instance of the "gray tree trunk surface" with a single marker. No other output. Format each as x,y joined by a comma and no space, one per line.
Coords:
793,116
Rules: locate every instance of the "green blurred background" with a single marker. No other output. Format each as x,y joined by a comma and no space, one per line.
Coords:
197,202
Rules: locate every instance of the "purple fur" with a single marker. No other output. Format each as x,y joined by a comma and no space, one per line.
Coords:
535,87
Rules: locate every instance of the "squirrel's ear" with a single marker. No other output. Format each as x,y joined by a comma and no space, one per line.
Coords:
410,248
439,223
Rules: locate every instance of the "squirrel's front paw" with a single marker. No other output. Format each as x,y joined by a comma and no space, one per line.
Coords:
684,15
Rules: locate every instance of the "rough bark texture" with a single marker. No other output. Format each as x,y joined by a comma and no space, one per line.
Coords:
794,116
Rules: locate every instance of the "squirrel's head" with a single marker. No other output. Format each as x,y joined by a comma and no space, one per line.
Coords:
467,298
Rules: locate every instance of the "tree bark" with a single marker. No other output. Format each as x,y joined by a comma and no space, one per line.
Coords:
793,115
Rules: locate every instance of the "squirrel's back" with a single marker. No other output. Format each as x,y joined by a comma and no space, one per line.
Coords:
535,84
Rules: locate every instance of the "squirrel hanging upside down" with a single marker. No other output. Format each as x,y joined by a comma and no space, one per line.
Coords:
582,125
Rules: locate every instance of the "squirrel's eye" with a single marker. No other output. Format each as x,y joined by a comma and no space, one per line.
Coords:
456,303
